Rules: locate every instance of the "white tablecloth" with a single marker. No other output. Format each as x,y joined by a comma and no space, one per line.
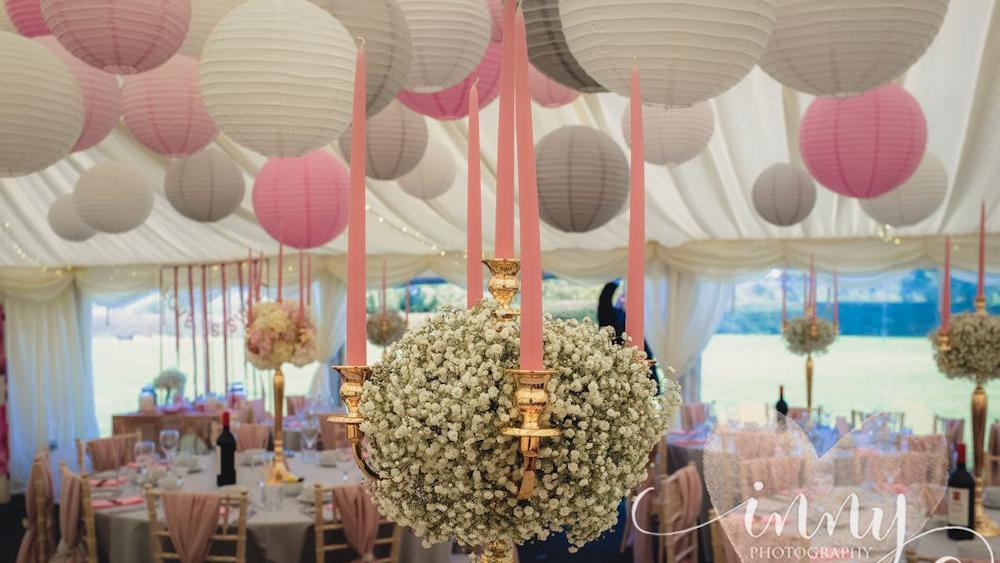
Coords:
281,536
938,545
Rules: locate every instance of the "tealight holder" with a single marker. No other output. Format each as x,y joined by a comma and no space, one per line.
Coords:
531,399
352,382
503,286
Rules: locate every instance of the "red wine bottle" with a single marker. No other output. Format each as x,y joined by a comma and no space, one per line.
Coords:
225,454
781,406
961,494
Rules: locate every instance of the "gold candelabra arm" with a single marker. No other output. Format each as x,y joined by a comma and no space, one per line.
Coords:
532,399
352,382
980,305
944,342
503,286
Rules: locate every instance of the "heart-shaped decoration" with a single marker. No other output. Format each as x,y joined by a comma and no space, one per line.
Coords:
779,501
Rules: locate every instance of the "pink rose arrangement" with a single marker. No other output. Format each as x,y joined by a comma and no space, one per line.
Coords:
281,333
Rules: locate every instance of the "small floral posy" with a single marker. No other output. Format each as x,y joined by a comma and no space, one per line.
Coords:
802,339
974,347
171,381
281,333
385,328
435,406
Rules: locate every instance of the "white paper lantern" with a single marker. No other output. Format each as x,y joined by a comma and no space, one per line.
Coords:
397,140
41,106
687,51
449,39
65,222
784,194
206,186
917,199
673,135
434,176
583,178
548,50
113,198
849,46
204,15
387,44
277,76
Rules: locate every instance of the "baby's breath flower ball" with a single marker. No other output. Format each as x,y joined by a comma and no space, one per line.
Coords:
799,339
975,347
435,406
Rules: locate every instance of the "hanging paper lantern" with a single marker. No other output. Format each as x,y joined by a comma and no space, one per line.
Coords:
26,17
453,103
113,198
850,46
674,135
917,199
434,176
206,187
547,47
204,15
686,52
784,195
41,107
101,96
397,140
164,110
496,17
547,92
277,76
449,39
864,146
65,222
302,201
119,36
387,44
583,178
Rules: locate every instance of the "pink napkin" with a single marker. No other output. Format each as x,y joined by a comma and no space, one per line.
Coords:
100,504
108,483
192,519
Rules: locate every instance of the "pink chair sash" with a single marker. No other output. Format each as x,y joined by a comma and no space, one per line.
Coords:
693,416
29,543
251,436
359,517
70,549
111,453
192,519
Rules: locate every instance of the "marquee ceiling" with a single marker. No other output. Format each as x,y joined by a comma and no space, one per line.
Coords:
708,198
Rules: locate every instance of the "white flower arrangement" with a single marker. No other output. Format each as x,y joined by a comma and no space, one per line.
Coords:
435,406
171,381
801,338
281,333
385,328
974,347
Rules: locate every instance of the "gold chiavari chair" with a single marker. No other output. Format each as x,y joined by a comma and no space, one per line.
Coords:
386,542
681,547
718,538
87,519
42,521
83,447
227,532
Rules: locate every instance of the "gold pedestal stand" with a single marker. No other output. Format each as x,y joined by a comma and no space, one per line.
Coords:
279,472
809,382
983,524
352,383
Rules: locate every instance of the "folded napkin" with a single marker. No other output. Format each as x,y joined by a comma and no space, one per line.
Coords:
100,504
111,483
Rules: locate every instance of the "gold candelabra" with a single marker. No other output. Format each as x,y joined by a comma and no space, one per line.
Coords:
532,399
279,472
503,286
352,383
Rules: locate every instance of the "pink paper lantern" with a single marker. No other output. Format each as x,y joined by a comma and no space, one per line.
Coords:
496,14
864,146
101,96
26,15
302,201
547,92
119,36
164,110
453,103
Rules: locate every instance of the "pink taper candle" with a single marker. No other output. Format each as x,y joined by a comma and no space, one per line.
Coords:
981,286
504,235
531,245
946,288
474,209
357,354
635,316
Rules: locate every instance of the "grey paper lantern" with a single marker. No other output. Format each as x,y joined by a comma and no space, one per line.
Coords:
397,140
583,178
65,222
449,39
41,106
434,176
204,15
673,135
547,47
387,44
917,199
784,194
849,46
687,51
206,186
112,197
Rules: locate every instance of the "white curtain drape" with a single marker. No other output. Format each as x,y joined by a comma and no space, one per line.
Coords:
331,305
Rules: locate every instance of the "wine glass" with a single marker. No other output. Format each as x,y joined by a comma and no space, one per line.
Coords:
145,453
310,433
169,441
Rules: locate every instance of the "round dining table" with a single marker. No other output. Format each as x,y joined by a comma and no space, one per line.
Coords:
284,535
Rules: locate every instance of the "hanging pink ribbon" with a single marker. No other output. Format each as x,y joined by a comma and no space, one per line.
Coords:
194,333
225,331
281,268
177,320
208,328
309,279
302,297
